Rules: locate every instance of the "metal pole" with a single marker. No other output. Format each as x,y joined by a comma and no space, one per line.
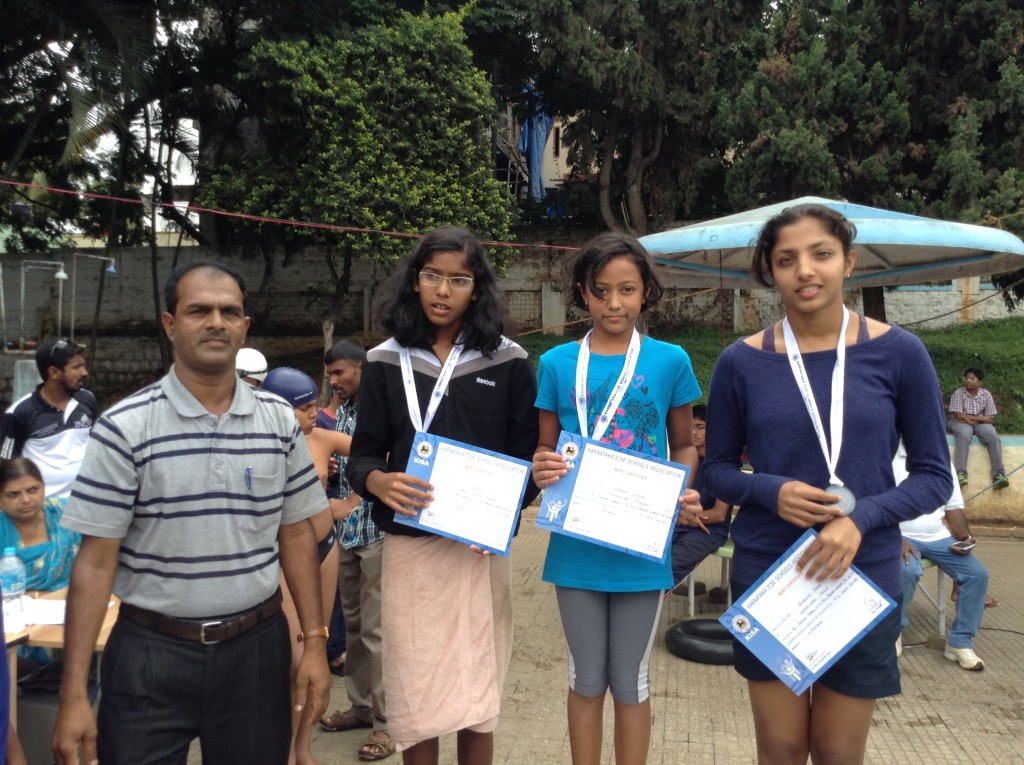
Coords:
60,302
96,318
74,292
3,308
21,334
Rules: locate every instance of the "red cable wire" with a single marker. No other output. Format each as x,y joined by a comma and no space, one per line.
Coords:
261,219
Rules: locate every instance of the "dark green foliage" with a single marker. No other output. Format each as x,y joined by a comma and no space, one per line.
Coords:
383,130
640,82
994,346
907,105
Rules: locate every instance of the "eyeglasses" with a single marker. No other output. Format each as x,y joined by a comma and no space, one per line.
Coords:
432,279
699,426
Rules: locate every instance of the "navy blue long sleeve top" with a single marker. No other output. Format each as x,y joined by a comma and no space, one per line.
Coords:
891,392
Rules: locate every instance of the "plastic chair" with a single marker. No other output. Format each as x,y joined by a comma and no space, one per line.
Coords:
939,599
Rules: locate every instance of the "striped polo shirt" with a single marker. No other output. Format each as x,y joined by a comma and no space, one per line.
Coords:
196,499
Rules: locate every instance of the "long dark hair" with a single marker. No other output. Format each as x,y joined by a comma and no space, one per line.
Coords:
19,467
834,222
484,321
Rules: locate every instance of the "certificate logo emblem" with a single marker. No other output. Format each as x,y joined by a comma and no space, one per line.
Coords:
570,451
741,624
788,668
424,449
554,509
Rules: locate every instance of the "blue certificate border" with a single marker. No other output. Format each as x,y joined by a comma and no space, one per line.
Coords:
788,668
556,497
421,464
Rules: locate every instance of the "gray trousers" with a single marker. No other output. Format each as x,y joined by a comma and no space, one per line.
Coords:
359,577
986,433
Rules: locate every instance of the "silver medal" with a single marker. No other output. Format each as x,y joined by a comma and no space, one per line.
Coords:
847,502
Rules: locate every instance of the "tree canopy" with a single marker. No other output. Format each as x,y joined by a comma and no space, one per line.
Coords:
376,113
386,130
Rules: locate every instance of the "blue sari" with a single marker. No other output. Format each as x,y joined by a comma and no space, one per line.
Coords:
47,564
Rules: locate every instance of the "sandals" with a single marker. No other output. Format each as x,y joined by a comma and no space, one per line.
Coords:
377,747
347,720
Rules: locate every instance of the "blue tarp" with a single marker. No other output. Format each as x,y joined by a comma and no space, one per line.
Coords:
531,144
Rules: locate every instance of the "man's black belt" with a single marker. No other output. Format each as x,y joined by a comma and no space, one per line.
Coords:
206,633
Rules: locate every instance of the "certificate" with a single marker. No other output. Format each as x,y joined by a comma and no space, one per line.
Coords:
614,497
477,493
799,627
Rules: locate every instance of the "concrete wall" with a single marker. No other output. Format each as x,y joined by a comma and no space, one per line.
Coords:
288,294
1003,508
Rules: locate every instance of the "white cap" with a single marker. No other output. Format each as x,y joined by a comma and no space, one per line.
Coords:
251,363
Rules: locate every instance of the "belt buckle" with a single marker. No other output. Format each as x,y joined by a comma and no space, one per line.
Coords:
202,632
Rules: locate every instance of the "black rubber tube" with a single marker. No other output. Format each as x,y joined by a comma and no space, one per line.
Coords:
702,640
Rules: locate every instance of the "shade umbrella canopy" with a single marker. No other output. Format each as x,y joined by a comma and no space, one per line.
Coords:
892,248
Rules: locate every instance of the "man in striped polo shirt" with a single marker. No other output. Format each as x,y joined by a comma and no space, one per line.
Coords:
195,492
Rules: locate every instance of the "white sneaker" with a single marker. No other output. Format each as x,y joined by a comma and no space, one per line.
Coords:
899,646
965,657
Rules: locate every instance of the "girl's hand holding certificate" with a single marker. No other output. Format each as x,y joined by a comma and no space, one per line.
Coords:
401,492
831,554
547,467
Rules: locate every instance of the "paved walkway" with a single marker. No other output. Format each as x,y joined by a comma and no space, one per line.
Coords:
701,712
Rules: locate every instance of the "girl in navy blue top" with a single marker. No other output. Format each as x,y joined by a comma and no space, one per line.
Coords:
886,388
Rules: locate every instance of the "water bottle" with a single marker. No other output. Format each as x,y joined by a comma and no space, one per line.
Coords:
12,579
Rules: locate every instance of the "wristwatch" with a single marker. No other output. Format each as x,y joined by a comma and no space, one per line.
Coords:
319,632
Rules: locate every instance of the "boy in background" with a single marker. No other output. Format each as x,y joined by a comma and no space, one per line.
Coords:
698,535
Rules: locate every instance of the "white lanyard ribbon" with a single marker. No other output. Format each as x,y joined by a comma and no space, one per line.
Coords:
796,364
412,400
628,367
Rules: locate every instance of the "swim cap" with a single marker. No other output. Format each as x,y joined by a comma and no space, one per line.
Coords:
295,387
251,363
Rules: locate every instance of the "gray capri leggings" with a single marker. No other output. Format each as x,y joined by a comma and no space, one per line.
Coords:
610,635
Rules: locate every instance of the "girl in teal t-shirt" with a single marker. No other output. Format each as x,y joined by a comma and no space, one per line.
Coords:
609,600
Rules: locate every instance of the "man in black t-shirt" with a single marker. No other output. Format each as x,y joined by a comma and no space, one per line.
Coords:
51,425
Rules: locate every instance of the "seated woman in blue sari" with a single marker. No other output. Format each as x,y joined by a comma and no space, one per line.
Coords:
30,523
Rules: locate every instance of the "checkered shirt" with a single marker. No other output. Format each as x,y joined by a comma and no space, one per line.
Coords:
358,529
983,404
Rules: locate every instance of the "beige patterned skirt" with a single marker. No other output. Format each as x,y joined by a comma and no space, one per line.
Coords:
447,637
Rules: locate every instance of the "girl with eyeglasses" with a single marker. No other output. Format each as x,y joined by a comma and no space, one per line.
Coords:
820,401
446,608
635,392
